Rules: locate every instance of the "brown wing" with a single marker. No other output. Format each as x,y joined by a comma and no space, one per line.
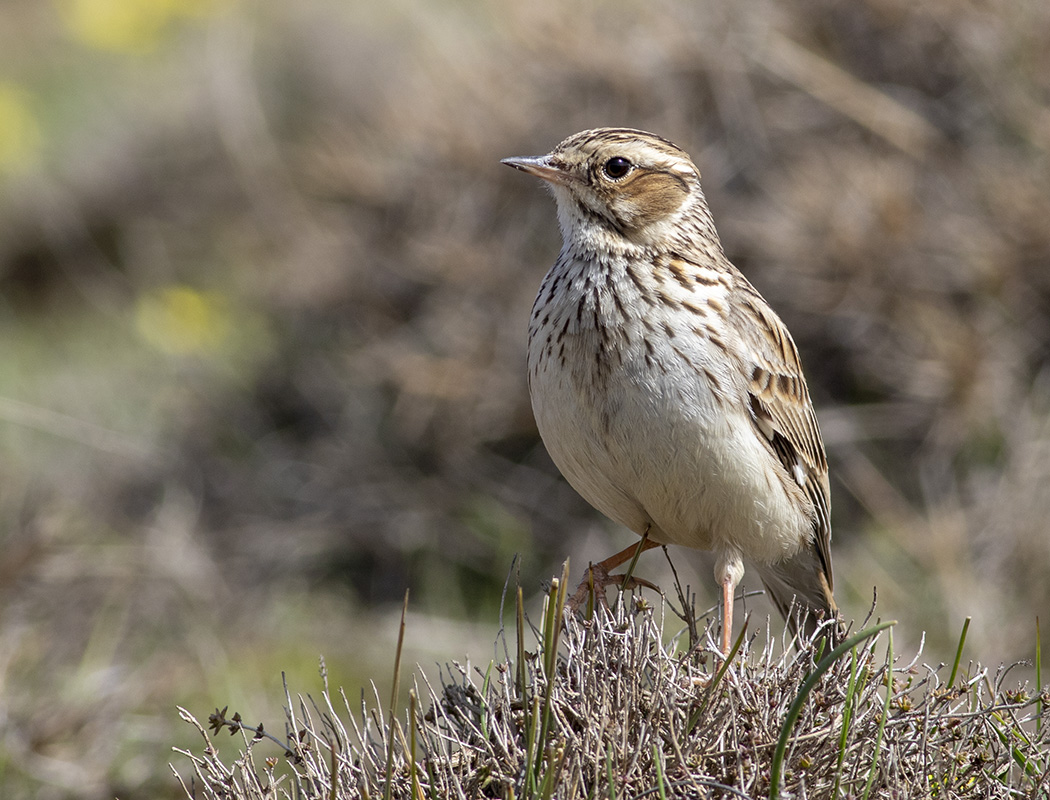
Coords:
782,409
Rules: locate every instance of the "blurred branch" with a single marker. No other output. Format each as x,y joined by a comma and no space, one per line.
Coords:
861,102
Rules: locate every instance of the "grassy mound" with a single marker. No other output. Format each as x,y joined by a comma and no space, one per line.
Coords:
635,703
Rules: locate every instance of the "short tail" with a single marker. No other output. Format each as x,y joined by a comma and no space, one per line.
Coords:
801,590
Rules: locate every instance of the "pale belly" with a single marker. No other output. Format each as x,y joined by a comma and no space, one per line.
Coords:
655,450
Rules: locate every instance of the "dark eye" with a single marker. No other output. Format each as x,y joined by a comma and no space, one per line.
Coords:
617,167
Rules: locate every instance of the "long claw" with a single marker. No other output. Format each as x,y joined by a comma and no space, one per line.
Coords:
598,578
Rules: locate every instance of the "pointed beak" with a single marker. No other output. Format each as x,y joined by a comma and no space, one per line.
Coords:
541,167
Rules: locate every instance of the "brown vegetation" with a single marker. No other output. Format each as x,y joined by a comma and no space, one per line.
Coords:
621,710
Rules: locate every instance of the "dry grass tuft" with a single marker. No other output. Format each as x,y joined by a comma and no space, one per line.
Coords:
626,710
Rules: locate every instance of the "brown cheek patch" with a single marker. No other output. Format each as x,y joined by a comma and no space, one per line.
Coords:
653,195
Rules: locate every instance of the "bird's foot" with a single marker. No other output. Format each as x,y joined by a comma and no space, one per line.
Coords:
597,579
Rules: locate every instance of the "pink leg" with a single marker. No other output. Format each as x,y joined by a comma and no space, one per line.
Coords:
728,590
625,555
729,569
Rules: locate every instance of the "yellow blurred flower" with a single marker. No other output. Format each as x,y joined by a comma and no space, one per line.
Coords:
19,130
129,26
179,320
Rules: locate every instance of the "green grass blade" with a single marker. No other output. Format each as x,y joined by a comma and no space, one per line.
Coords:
847,718
483,722
1030,767
528,719
552,624
531,747
550,779
659,772
388,790
1039,678
520,622
800,699
882,720
958,652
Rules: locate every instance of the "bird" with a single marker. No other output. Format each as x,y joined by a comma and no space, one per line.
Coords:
665,388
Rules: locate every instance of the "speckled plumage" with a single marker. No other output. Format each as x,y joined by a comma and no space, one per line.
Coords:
665,388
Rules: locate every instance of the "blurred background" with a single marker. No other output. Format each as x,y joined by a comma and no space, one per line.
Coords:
263,296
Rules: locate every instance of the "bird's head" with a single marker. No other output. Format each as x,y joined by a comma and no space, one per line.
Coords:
629,183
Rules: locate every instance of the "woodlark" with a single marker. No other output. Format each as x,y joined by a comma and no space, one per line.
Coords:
667,391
